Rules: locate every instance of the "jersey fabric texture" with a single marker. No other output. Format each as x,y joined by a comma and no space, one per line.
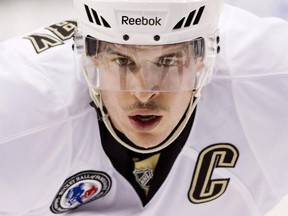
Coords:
53,153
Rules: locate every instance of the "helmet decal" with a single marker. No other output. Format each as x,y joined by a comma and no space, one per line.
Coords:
96,17
190,18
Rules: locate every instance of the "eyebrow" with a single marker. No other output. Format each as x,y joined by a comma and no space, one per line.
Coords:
110,50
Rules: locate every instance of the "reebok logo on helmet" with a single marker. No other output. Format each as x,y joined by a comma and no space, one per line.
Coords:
141,21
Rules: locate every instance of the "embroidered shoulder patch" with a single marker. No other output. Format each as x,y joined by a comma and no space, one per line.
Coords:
59,33
80,189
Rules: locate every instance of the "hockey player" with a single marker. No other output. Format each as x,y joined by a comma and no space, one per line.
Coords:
142,114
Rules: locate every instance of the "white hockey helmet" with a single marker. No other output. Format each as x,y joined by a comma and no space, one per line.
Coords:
147,22
137,23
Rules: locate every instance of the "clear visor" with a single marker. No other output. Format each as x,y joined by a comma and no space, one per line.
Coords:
116,67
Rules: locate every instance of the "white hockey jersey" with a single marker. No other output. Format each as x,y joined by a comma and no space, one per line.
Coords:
234,161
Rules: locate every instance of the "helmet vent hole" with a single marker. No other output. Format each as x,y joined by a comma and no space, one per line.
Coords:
156,37
125,37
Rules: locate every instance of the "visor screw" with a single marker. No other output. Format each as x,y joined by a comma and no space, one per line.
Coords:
217,39
156,37
218,49
126,37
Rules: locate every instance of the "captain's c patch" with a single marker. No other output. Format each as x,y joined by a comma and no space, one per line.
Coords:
203,188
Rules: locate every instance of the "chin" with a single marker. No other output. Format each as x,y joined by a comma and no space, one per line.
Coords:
147,140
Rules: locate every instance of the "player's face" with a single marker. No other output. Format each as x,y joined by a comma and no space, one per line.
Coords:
146,117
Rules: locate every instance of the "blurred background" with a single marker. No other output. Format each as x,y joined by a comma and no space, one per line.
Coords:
22,16
263,8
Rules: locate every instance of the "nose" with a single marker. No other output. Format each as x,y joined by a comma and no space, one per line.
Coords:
145,97
145,88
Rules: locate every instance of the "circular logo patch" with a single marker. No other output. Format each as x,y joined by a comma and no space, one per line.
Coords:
79,189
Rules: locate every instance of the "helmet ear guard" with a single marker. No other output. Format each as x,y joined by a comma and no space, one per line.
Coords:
92,46
85,45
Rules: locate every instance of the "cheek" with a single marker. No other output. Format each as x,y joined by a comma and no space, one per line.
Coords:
114,103
181,104
181,101
178,104
109,101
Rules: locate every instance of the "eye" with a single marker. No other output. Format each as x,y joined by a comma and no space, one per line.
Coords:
168,61
123,61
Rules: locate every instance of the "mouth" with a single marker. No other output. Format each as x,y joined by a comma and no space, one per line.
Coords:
145,123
